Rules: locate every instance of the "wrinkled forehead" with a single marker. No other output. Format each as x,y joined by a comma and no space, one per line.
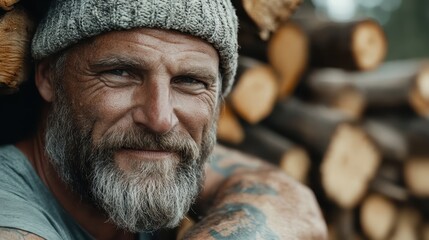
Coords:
70,21
152,37
145,45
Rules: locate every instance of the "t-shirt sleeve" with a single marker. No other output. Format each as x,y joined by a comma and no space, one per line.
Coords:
27,204
16,212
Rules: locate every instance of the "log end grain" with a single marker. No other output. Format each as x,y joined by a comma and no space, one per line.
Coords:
377,216
422,82
419,92
349,164
288,54
268,15
7,4
416,174
296,163
407,225
369,45
254,95
229,128
16,30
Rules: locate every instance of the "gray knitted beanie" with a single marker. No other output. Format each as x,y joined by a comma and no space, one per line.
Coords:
69,21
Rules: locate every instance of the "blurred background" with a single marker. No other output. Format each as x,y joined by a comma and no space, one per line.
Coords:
337,95
405,22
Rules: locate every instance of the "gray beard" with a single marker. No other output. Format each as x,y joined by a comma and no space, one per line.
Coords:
150,196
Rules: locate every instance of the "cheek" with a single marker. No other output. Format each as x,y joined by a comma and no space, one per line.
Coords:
107,110
197,117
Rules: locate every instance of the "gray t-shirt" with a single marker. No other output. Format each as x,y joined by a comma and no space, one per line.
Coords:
27,204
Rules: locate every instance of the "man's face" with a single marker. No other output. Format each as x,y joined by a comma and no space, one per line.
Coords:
132,123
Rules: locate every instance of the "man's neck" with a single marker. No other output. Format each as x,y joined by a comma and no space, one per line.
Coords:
85,214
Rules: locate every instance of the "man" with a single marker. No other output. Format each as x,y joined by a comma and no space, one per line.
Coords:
132,92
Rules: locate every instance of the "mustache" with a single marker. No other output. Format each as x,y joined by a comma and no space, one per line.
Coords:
140,139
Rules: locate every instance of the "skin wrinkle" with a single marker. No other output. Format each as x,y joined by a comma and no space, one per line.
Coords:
202,97
100,127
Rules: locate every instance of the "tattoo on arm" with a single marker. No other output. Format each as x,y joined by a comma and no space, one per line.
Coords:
252,189
17,234
228,170
240,221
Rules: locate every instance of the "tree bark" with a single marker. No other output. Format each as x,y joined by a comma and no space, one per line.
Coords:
392,86
276,149
355,45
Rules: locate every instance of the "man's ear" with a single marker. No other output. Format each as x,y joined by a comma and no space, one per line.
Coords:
43,80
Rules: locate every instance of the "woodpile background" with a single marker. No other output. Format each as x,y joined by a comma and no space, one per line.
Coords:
312,96
317,99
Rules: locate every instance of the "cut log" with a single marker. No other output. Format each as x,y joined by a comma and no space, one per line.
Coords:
278,150
269,14
255,93
394,85
389,189
288,54
343,227
229,128
377,216
255,22
345,98
414,130
16,30
350,163
356,45
416,174
418,96
310,125
7,4
391,141
251,45
407,225
345,173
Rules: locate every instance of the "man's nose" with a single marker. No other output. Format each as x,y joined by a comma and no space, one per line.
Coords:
155,110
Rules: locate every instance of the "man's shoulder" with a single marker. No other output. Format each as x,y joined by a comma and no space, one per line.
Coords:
26,203
16,172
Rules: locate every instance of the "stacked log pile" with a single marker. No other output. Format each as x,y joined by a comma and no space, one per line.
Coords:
316,99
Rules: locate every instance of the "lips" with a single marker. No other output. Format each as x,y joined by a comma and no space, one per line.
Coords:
146,154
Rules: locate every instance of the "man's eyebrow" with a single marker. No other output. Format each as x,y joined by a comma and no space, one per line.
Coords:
116,61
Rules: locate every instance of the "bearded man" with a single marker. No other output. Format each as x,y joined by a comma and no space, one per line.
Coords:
132,91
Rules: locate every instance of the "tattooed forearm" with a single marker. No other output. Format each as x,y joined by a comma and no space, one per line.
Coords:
16,234
245,222
228,170
252,188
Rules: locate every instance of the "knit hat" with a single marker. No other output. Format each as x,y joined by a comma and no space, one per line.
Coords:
69,21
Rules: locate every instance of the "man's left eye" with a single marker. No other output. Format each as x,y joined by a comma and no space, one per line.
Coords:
118,72
190,82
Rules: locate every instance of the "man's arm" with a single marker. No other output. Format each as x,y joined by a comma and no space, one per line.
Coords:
245,198
17,234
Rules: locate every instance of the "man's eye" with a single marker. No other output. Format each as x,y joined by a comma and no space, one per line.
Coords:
118,78
118,72
190,82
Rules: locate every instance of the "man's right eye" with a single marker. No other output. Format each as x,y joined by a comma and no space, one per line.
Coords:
117,78
118,72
